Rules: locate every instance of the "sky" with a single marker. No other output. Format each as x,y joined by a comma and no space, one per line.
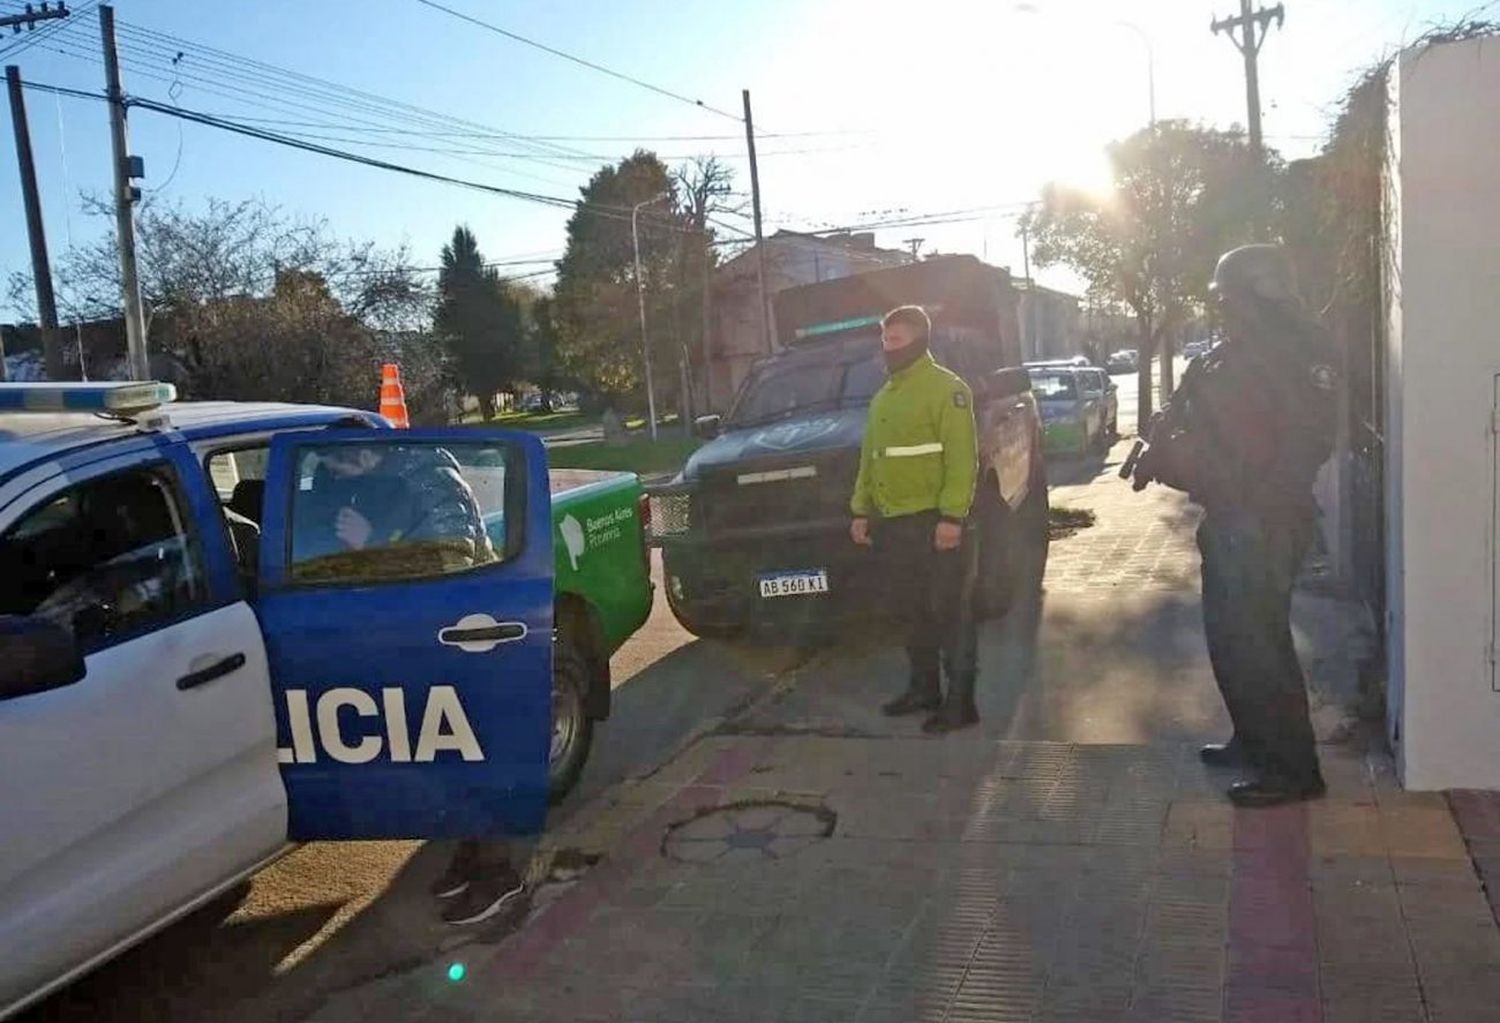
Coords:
865,110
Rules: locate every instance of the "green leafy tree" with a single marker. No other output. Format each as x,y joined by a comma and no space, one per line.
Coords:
599,341
595,309
1182,195
544,367
480,321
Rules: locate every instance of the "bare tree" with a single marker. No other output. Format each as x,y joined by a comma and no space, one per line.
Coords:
252,302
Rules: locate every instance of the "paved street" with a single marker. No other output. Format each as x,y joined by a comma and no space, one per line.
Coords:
1068,860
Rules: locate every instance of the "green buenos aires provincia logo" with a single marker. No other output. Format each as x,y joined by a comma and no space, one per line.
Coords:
592,532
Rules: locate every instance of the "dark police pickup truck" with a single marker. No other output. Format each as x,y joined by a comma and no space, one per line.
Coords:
754,530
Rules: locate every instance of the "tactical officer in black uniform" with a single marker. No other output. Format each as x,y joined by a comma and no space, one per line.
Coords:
1245,435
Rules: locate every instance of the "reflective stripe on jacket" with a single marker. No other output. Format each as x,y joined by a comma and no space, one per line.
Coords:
920,450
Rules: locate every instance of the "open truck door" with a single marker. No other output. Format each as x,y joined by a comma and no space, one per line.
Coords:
406,594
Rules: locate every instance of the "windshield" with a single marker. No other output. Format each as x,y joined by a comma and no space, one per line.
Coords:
1054,386
785,387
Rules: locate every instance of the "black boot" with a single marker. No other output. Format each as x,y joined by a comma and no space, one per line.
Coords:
1223,754
1273,791
954,714
918,699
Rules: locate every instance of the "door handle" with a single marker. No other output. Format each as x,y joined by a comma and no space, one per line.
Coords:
218,669
479,633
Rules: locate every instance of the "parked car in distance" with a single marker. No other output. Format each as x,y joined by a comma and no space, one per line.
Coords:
1124,361
1072,412
1193,349
1096,383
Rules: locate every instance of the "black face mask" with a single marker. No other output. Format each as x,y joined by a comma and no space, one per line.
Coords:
900,358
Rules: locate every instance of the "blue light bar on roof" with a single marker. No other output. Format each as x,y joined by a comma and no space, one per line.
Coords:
119,398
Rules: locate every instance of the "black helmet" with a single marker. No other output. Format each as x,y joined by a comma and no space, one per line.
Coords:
1260,274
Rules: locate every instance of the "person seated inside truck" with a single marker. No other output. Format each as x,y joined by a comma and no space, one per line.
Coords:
405,511
390,511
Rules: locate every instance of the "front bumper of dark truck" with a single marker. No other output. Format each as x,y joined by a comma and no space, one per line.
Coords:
717,583
713,574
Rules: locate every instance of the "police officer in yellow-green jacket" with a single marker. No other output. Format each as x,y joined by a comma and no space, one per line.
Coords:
911,502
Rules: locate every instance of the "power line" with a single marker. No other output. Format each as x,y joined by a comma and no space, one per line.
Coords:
266,101
225,124
168,59
579,60
42,35
308,86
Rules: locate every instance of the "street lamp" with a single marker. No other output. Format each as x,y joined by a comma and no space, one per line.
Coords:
640,294
1145,39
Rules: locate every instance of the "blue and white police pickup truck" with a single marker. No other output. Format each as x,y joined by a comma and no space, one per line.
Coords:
189,684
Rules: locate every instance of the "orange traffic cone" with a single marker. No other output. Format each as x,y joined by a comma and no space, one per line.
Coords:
392,398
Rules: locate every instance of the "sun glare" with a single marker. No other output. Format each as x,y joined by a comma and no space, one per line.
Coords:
1085,169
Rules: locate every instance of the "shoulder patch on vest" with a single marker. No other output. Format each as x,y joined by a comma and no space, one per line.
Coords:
960,399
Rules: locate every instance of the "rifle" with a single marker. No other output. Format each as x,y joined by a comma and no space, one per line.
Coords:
1142,465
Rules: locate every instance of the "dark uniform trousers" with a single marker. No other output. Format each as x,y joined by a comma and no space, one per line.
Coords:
932,593
1250,563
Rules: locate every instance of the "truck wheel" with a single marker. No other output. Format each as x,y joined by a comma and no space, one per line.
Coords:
1032,535
995,587
572,728
701,629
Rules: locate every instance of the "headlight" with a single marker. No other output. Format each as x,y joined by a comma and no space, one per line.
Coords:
670,513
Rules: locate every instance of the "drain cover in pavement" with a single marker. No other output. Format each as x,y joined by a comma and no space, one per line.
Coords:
761,830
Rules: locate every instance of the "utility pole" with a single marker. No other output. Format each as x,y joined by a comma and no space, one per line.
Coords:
707,404
1249,43
41,267
916,247
1029,296
640,295
126,194
29,17
760,246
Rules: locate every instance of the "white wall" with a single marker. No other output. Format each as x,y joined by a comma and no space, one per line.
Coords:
1444,355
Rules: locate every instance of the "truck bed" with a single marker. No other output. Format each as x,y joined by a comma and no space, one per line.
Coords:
571,479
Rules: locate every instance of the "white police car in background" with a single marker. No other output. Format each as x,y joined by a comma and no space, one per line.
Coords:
188,683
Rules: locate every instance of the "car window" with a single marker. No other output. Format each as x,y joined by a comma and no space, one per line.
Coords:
229,469
391,511
1054,386
106,559
784,387
862,379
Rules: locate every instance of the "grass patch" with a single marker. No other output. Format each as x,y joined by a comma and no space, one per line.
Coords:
541,420
641,456
1064,522
639,422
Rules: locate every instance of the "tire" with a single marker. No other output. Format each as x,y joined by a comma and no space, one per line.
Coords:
1033,534
993,590
572,727
699,628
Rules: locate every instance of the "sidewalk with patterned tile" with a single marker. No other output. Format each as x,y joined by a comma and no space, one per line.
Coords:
1069,860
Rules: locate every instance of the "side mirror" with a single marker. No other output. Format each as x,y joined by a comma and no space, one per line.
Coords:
1008,382
707,427
36,655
